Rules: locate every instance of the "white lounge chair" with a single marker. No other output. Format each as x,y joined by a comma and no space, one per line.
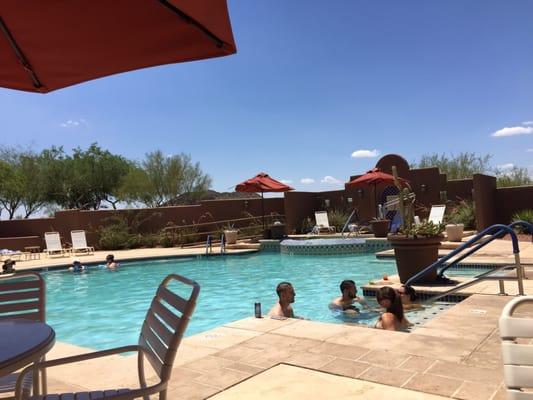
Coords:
436,215
517,358
79,243
322,222
53,245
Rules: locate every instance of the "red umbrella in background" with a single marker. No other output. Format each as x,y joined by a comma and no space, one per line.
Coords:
374,177
262,183
47,45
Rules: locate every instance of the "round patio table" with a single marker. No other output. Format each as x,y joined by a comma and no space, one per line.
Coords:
23,342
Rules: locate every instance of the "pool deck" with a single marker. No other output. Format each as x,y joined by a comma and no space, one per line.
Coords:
454,355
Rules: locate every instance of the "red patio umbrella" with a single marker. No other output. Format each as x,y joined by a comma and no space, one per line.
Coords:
262,183
47,45
374,177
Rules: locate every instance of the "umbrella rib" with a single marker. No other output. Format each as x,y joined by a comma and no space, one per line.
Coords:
18,52
218,42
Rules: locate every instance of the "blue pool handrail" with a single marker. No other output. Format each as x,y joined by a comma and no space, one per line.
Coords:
490,239
495,231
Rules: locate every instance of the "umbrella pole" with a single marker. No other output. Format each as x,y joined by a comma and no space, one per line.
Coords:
263,210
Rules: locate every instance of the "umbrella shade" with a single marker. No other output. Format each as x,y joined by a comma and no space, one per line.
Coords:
374,176
47,45
262,183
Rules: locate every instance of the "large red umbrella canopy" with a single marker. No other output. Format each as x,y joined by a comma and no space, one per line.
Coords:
374,177
47,45
262,183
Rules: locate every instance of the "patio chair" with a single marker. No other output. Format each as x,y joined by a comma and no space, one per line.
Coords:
79,243
22,295
322,223
161,334
436,214
53,245
517,358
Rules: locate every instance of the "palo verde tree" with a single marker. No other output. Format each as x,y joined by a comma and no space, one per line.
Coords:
516,176
159,179
460,166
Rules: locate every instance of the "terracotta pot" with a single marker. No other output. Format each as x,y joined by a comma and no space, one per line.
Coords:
414,255
231,236
380,228
454,232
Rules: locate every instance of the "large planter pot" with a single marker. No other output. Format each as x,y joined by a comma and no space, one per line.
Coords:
454,232
414,255
380,228
231,236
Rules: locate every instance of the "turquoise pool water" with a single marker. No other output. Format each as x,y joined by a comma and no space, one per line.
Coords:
102,308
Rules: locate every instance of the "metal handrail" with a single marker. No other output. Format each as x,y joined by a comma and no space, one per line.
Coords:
348,221
495,231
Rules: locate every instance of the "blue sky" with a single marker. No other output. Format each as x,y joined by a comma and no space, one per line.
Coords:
312,83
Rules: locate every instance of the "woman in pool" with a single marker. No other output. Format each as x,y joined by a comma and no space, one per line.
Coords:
409,297
393,318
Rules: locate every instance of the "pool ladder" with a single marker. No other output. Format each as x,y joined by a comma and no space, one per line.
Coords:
477,242
209,244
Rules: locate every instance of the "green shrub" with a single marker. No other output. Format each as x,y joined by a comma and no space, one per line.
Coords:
337,218
523,215
463,213
115,235
150,240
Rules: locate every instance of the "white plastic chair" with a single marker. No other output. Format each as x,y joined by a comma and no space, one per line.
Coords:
517,358
79,243
53,244
322,222
436,215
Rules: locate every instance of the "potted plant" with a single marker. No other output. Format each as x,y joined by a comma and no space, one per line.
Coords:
454,231
230,233
462,216
415,246
380,227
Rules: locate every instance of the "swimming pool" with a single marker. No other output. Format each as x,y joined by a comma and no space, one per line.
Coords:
102,308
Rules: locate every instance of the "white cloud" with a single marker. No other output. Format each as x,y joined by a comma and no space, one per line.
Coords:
73,123
505,166
365,153
307,181
527,123
331,180
285,181
513,131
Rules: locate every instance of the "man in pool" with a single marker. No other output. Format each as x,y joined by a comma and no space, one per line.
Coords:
348,298
283,308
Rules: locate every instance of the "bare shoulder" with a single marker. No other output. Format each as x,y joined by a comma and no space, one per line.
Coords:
276,311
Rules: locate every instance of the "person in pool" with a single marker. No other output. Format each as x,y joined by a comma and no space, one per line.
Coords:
283,308
110,262
408,297
393,319
348,298
76,266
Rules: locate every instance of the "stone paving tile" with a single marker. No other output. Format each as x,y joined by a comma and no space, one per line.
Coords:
475,391
465,372
417,364
265,324
446,349
191,391
312,330
433,384
237,352
267,359
207,364
247,368
384,358
370,338
179,376
222,377
270,341
340,350
221,338
349,368
501,394
309,360
393,377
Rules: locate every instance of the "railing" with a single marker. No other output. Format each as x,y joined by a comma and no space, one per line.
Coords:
495,231
194,232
